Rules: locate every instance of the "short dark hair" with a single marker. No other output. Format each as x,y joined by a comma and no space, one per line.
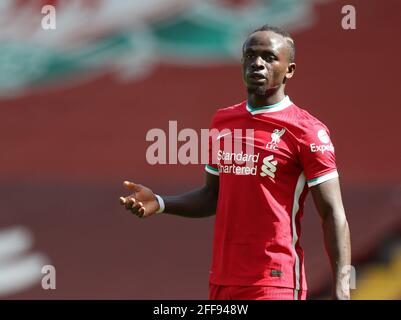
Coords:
283,33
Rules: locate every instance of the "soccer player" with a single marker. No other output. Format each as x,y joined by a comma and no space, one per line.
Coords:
259,203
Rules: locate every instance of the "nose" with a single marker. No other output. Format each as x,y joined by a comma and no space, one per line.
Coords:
257,63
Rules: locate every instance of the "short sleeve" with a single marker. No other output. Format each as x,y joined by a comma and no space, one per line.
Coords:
211,166
317,155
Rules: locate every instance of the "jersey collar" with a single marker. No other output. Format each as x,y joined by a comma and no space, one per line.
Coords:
281,105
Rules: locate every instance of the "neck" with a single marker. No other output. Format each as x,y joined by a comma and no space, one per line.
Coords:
269,98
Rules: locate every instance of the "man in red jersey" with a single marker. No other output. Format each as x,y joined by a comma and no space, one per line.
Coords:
258,196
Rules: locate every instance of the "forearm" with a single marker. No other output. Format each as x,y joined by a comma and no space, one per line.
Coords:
338,246
197,203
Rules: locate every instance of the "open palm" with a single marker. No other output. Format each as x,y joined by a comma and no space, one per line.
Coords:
141,202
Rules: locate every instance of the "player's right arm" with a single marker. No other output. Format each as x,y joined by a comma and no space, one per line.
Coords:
197,203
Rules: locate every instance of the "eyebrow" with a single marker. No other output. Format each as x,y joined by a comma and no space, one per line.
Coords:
269,51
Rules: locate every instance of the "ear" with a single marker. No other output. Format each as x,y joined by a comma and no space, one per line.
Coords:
290,71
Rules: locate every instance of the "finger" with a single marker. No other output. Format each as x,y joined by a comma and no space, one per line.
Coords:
141,210
129,203
126,202
122,201
135,207
132,186
135,204
134,211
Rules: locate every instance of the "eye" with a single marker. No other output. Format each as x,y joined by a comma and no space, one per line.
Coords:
248,55
269,58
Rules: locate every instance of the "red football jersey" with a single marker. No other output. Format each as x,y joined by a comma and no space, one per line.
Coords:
265,158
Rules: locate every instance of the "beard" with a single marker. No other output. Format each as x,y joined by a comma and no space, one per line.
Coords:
257,90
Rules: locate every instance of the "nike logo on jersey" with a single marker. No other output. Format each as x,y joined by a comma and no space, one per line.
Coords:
222,135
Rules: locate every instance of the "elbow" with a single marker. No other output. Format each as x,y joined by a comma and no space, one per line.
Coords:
335,216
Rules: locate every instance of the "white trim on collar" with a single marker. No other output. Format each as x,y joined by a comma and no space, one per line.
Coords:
281,105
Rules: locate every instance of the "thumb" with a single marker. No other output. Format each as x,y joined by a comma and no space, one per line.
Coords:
132,186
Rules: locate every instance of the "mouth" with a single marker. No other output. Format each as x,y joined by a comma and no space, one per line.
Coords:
257,77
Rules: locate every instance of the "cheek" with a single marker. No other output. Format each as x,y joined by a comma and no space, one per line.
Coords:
243,68
279,71
243,73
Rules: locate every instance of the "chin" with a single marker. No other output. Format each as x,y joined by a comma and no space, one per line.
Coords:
259,90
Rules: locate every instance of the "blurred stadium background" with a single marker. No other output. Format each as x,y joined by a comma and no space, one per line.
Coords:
76,104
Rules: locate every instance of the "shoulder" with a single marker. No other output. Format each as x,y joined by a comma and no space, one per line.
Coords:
310,131
234,109
226,113
305,122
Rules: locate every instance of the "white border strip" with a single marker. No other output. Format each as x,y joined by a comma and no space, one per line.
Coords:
208,169
326,177
295,208
281,105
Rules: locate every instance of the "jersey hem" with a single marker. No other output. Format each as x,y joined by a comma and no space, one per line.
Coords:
262,282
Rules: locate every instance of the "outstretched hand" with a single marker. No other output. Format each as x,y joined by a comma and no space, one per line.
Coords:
142,202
